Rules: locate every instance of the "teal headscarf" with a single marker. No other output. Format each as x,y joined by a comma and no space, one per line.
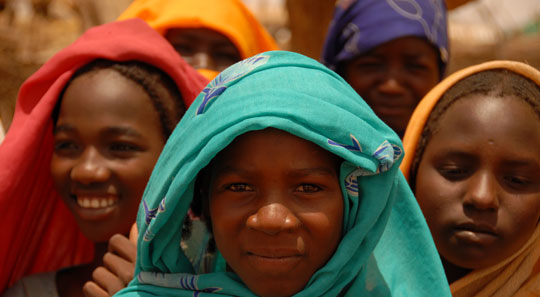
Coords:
386,249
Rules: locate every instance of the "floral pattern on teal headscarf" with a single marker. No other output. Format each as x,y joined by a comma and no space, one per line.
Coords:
386,249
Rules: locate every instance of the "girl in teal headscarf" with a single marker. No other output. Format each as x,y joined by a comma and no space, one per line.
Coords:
299,182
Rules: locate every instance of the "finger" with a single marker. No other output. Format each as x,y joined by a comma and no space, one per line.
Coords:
133,233
120,267
107,280
91,289
120,245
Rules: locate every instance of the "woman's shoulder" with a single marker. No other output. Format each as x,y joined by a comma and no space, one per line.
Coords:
41,284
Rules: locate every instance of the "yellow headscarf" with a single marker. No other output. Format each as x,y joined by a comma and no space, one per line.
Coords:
518,275
228,17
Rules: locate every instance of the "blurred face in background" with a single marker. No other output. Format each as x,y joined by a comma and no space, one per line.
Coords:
203,48
393,77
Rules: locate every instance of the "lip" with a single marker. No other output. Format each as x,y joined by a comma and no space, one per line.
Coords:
390,110
94,206
274,261
476,233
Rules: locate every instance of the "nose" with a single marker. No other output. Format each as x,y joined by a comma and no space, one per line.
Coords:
202,60
90,168
482,192
391,83
272,219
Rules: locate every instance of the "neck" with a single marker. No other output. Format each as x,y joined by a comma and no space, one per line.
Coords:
453,272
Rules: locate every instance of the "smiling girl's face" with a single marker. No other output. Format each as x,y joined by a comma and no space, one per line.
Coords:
276,208
107,139
478,182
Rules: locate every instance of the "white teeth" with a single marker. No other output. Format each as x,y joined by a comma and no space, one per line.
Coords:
95,202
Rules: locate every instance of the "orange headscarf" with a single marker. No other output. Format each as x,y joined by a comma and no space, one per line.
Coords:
228,17
518,275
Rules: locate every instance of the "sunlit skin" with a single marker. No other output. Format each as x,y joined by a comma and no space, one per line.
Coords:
204,48
106,142
478,182
393,77
276,208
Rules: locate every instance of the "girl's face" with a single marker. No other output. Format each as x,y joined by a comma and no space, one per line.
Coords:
478,182
106,142
393,78
277,209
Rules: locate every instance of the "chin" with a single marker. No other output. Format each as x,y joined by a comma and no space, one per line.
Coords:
272,289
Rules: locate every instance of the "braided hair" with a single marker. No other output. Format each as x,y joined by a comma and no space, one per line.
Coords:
495,83
156,83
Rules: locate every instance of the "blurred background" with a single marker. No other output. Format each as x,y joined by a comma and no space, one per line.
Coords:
31,31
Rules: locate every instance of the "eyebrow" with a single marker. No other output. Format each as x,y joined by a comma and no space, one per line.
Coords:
108,131
63,128
293,172
119,131
523,162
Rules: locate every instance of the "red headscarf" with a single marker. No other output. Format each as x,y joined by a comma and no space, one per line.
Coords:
39,233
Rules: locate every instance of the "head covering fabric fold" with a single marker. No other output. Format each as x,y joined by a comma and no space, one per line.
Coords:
228,17
296,94
359,26
518,275
39,232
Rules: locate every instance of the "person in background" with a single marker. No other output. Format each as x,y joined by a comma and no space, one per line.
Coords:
298,183
209,34
88,128
472,160
391,52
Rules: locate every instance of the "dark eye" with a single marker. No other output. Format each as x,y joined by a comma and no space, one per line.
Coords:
65,146
123,147
416,66
184,49
369,65
454,172
517,182
308,188
239,187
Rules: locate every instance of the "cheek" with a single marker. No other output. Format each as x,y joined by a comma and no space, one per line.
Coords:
325,226
362,86
60,170
524,216
421,85
362,83
226,220
436,195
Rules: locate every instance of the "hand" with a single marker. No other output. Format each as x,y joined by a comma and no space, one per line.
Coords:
118,269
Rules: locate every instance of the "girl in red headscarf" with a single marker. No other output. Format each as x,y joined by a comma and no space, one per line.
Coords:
87,129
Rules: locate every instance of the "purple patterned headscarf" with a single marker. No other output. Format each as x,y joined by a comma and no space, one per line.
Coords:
361,25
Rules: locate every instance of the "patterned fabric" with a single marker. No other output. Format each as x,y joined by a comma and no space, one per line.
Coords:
361,25
386,249
228,17
519,275
39,232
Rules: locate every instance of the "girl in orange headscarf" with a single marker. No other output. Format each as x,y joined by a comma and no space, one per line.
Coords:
472,160
209,34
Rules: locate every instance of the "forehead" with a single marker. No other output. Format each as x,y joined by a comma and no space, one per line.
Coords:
409,46
105,94
477,121
197,35
277,145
